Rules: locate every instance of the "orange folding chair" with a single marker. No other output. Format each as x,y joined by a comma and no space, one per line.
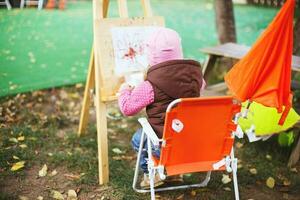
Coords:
198,136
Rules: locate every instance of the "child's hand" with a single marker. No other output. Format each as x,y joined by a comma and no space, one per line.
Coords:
125,86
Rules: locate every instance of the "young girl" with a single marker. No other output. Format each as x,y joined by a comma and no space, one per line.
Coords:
169,77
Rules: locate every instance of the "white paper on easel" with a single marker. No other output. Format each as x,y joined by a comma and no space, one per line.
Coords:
129,48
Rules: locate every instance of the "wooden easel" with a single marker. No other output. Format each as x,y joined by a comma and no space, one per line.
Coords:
100,74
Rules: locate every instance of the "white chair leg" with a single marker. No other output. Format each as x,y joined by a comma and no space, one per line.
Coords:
22,4
136,172
151,177
8,5
150,169
40,4
234,174
235,184
206,180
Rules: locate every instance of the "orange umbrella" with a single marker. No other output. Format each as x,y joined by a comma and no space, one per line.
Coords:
263,75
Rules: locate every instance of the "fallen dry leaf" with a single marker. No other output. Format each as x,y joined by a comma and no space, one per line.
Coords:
23,197
72,195
104,197
57,195
294,170
12,87
53,173
32,138
187,175
227,189
239,145
253,171
101,189
79,85
23,146
117,151
286,182
21,138
193,193
16,158
270,182
124,126
72,176
268,157
77,190
40,198
226,179
13,140
43,171
180,197
17,166
122,157
239,166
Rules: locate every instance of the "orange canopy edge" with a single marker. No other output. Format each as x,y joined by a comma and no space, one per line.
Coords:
263,75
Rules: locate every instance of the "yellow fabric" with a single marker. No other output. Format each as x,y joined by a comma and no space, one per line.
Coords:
265,119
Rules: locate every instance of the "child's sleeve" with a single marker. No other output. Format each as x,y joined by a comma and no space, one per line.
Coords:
133,101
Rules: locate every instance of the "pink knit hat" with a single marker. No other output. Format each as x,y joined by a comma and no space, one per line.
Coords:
162,45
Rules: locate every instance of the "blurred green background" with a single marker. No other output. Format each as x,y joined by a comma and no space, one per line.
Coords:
48,48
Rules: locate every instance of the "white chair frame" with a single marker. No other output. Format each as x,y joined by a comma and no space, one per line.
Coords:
39,3
6,3
230,162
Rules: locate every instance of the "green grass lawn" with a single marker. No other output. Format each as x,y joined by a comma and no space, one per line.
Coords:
47,48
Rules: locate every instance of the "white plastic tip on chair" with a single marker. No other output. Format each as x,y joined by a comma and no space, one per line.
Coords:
225,161
219,164
264,138
251,134
160,170
245,113
237,117
177,125
239,132
228,164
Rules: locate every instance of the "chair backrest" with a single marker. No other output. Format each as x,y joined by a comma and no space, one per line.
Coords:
198,133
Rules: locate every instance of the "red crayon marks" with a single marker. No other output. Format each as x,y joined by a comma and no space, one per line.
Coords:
131,53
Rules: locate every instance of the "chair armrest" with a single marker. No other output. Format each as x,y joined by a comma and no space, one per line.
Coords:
149,131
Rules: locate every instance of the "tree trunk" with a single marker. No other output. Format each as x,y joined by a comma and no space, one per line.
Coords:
297,37
225,21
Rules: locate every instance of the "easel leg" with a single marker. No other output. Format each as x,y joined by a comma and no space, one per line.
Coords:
90,84
101,130
102,143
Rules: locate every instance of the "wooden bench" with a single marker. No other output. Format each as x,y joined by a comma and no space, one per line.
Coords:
233,51
236,52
